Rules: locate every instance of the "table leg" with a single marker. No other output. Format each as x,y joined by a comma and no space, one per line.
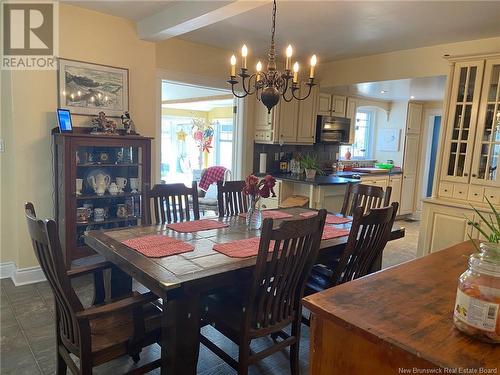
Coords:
180,335
121,283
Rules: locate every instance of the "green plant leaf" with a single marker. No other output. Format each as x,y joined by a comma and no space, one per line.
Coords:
495,212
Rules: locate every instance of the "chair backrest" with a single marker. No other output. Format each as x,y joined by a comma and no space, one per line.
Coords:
367,239
280,275
230,198
45,240
366,196
171,203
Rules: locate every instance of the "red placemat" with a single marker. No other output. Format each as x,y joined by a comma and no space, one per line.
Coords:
157,246
248,247
330,219
197,225
332,232
272,214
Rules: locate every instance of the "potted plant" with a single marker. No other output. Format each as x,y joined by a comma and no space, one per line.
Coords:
310,165
477,305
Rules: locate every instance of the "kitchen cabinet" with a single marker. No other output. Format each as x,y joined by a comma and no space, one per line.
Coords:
382,181
291,122
462,120
339,104
471,145
409,183
395,182
469,152
324,104
444,225
351,108
287,121
414,118
487,142
306,127
332,105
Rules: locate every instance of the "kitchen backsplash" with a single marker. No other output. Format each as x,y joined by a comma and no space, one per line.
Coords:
326,154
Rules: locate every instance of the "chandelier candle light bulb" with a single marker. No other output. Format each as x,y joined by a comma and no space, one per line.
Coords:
233,66
258,68
289,52
314,60
244,54
295,72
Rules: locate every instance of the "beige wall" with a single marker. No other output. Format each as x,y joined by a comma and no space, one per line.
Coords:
418,62
87,36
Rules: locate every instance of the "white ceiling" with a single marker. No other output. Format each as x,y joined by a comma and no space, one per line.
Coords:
333,29
132,9
425,88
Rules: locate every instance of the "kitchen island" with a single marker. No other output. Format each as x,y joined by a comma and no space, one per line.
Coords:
322,191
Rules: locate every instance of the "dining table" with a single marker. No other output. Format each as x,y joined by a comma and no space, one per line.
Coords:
180,280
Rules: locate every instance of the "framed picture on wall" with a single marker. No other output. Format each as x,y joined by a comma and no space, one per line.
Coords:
388,139
87,89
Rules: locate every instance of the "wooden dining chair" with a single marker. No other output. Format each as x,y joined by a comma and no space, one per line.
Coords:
366,196
172,203
367,239
230,198
272,299
97,334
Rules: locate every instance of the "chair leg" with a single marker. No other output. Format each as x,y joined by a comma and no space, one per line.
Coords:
243,357
62,367
294,349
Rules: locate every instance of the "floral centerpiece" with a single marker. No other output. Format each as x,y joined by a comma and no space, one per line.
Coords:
477,305
255,189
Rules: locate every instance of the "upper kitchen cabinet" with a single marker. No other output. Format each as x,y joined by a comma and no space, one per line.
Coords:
332,105
291,122
324,104
306,127
288,118
487,143
339,104
414,118
462,120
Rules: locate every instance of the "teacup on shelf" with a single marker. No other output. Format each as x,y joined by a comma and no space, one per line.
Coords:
113,189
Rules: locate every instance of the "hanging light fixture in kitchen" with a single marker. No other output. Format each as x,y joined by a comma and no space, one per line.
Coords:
271,84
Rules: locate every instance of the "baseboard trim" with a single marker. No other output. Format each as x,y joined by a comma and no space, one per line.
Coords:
7,269
21,276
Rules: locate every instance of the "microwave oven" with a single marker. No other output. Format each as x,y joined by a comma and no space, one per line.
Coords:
332,129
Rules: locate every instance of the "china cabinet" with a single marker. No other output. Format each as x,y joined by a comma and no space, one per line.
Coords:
98,184
469,152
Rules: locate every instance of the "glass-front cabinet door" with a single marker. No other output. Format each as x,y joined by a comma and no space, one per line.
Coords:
464,104
487,147
108,188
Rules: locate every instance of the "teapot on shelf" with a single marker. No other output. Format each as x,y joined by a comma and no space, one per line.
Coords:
100,183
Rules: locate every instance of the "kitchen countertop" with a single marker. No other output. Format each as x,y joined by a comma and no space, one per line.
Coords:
318,180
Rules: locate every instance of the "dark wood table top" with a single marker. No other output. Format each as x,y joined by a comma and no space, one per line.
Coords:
195,267
410,306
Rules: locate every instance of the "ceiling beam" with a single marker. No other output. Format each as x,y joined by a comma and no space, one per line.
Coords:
185,16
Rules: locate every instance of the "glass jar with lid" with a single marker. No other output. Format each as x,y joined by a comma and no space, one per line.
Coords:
477,306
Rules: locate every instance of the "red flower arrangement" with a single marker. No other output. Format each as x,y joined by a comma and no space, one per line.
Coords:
259,188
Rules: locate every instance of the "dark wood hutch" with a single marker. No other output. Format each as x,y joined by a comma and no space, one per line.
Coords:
126,159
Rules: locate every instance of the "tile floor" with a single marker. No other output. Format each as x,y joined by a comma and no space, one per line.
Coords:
27,344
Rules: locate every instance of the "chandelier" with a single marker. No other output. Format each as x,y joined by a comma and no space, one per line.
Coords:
271,84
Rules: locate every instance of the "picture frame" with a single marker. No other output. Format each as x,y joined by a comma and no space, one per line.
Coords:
388,139
86,88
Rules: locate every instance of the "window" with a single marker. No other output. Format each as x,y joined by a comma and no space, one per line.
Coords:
360,149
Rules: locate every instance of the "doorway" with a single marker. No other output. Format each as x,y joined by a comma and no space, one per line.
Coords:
198,126
435,130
